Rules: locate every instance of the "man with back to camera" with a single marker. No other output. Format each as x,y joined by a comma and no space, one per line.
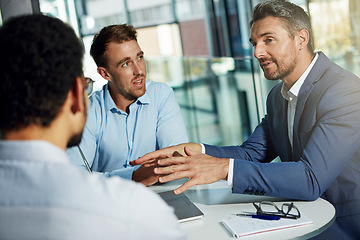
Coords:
130,116
43,110
312,124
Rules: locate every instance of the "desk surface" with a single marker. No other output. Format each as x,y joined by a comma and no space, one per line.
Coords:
217,202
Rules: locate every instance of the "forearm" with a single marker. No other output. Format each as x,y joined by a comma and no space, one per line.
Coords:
293,180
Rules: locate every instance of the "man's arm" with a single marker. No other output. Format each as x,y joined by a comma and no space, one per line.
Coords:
327,141
171,128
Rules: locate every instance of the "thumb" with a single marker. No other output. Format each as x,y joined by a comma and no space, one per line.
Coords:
188,151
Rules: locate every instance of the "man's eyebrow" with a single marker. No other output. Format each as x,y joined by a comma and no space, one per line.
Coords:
122,61
262,35
128,58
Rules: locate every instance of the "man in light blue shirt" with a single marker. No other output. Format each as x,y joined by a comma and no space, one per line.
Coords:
43,110
130,116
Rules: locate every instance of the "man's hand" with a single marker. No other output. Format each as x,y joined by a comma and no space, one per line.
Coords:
146,175
198,168
166,153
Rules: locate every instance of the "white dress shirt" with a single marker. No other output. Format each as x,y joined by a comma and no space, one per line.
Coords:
291,96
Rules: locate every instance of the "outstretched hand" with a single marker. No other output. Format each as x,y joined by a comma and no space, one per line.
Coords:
198,168
177,150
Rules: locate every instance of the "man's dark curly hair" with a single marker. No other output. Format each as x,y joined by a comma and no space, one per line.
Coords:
40,57
112,33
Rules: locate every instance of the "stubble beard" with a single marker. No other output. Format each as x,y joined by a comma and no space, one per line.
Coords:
280,72
76,139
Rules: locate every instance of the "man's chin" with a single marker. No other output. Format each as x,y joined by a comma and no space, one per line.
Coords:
270,76
75,140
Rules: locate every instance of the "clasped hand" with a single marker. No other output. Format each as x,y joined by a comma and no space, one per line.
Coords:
185,161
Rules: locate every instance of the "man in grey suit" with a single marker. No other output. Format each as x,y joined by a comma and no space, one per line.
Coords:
312,124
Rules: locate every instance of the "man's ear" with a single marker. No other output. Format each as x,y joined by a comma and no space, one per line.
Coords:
102,71
303,38
78,95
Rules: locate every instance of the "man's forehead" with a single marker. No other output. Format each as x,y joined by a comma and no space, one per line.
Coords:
266,26
123,49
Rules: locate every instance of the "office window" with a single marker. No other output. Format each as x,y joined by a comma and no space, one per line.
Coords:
194,29
146,13
337,32
62,9
96,14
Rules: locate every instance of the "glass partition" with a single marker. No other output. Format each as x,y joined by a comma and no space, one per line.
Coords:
216,95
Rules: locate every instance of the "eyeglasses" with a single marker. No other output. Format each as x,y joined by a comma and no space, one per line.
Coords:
288,210
89,83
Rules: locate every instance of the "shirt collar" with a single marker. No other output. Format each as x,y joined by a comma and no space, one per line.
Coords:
293,92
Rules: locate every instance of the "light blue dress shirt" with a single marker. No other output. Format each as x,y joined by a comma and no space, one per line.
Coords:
112,137
43,196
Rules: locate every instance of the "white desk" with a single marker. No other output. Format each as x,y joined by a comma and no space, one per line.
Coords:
217,202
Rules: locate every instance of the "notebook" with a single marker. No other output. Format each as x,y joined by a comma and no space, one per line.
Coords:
185,210
245,226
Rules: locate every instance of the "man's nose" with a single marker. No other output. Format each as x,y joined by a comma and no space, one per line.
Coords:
138,69
259,51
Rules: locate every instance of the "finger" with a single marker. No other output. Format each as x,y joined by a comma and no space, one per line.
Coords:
184,187
148,158
171,161
141,162
151,164
173,176
171,169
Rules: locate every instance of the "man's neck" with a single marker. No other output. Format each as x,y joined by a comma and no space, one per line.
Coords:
120,101
301,66
35,132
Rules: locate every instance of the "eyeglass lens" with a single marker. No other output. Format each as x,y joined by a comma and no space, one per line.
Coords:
89,85
287,209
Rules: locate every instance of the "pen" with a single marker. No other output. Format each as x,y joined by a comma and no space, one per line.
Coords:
264,217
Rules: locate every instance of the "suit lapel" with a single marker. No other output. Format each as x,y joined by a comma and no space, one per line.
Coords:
304,93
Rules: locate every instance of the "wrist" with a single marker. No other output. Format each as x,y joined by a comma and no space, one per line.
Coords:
225,168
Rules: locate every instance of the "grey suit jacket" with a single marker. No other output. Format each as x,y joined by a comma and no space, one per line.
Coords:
325,159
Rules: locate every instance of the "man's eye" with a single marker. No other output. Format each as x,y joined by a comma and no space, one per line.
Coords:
269,40
125,64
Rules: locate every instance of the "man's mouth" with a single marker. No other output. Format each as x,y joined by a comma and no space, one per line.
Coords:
138,82
265,64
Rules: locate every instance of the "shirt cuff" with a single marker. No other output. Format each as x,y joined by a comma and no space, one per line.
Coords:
230,172
202,148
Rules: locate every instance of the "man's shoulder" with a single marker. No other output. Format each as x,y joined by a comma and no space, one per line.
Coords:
98,95
98,100
158,92
102,202
97,193
156,85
